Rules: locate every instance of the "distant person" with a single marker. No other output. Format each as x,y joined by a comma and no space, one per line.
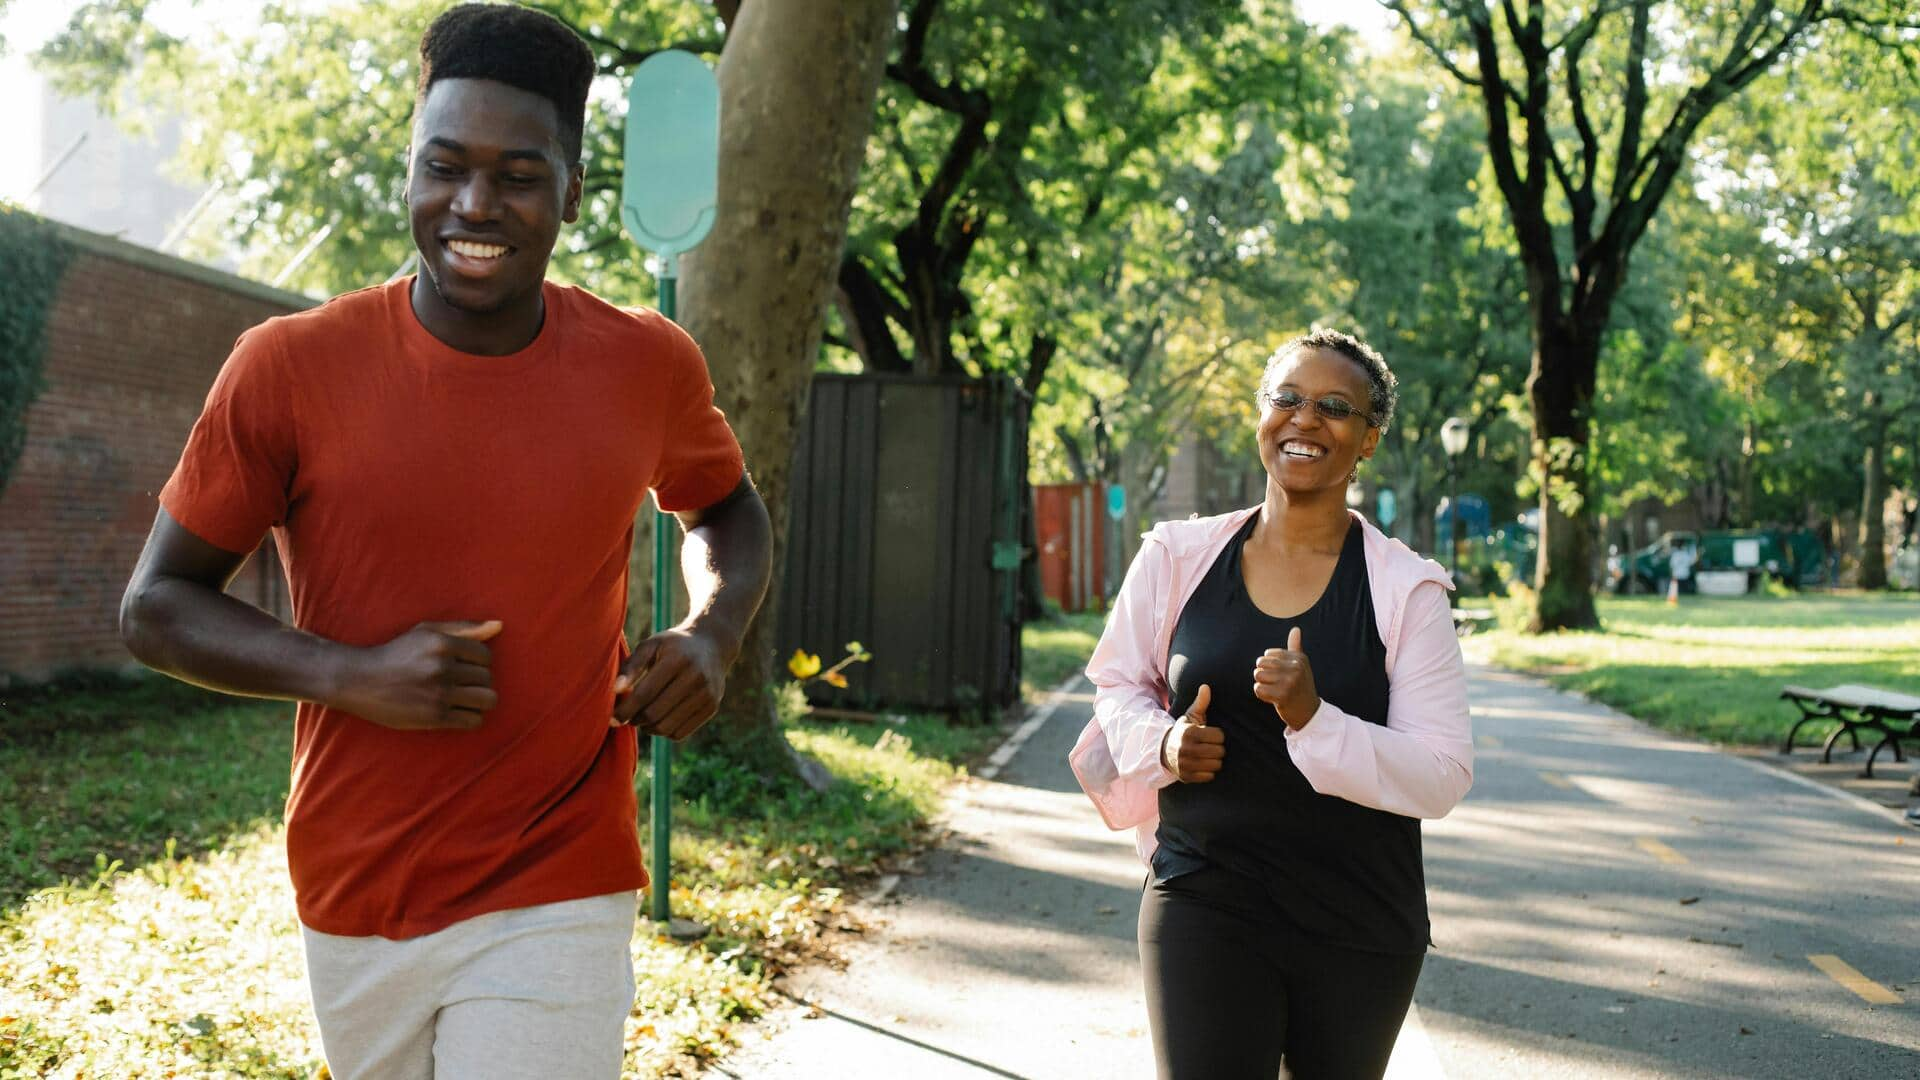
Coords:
1679,572
1322,711
451,465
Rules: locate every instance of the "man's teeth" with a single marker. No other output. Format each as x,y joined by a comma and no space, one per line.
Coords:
476,251
1294,449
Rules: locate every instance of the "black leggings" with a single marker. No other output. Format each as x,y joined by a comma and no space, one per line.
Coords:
1228,998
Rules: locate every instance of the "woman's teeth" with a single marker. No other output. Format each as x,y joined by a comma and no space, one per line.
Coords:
1302,450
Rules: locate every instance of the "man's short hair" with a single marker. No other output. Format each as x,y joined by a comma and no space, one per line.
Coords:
523,48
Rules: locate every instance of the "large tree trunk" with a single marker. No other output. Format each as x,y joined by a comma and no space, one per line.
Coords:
1560,388
794,131
1873,505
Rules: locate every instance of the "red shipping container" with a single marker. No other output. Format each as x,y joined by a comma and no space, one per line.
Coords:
1070,527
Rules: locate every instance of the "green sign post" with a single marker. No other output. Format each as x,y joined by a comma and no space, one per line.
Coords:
667,202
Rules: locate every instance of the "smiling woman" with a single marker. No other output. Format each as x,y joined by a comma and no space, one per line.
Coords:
1305,839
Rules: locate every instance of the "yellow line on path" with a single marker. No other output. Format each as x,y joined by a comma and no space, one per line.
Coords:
1557,780
1659,850
1488,742
1843,973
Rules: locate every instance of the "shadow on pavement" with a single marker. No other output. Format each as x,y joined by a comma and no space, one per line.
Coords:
1579,1022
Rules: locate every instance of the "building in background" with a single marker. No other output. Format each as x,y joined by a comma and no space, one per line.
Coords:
81,168
134,339
105,180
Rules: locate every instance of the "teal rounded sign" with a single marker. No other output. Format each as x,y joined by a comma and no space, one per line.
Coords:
668,191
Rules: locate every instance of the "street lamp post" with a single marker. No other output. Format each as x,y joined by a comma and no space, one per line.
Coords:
1453,439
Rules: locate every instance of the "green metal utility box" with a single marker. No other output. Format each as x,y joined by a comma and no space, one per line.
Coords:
903,534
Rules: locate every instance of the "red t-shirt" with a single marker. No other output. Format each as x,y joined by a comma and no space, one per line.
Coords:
405,482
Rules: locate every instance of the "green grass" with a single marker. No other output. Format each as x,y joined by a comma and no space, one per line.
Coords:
146,921
1713,666
111,770
1056,648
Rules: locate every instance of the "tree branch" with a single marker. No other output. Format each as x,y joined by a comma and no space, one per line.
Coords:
1399,7
1667,155
1633,108
1580,196
1585,28
1541,157
1531,227
621,56
968,142
1639,190
1040,353
866,306
912,72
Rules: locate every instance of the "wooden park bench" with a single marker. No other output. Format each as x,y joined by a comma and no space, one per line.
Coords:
1856,708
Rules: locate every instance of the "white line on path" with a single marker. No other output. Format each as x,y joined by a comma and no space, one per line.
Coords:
1858,801
883,888
1018,739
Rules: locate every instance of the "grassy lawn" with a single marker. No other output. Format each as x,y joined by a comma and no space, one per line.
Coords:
146,921
1713,666
1057,648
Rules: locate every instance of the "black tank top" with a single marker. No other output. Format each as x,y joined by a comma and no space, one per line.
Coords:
1336,871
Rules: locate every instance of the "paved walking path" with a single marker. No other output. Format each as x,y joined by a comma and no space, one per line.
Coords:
1609,902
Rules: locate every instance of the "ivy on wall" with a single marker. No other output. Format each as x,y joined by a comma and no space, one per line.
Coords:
33,257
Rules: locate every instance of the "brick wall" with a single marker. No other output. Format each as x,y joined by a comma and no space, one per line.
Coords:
134,341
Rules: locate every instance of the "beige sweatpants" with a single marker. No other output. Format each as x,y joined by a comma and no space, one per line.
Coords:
532,992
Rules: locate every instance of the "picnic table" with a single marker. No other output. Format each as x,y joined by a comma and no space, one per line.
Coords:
1856,708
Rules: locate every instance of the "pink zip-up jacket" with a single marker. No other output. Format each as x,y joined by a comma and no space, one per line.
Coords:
1420,764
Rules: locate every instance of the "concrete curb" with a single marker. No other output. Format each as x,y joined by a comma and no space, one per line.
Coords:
1003,754
1034,723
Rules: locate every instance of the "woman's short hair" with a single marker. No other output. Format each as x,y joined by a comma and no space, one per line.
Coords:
1382,388
526,49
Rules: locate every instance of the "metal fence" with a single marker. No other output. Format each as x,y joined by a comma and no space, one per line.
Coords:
903,534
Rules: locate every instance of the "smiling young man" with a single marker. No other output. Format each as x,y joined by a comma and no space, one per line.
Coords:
450,466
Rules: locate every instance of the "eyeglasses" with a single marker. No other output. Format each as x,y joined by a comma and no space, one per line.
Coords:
1328,408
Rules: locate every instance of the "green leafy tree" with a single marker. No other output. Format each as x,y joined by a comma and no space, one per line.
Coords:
1839,215
1591,112
302,120
1420,275
1166,288
1755,320
998,115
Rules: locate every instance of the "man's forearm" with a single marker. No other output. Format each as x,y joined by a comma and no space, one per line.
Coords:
203,636
727,560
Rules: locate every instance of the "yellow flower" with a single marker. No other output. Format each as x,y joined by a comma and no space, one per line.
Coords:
834,678
803,664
